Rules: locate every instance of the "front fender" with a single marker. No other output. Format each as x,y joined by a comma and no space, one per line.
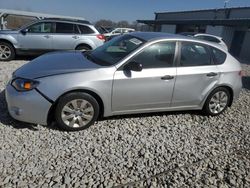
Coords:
9,38
98,81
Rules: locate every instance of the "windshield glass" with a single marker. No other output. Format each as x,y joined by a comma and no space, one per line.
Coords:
116,49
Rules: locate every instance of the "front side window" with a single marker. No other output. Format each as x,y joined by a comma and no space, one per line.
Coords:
158,55
113,51
64,28
194,54
45,27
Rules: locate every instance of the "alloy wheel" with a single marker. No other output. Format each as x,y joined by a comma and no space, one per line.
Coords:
77,113
218,102
5,52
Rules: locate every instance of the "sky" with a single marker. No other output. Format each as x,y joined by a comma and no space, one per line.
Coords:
115,10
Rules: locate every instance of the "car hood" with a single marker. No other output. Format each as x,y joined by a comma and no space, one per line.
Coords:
55,63
9,31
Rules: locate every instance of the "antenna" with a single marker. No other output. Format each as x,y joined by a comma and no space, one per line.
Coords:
225,3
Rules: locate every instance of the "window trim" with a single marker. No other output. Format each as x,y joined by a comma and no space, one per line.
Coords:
207,47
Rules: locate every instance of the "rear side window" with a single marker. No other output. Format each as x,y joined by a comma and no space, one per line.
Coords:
194,54
85,29
219,56
64,28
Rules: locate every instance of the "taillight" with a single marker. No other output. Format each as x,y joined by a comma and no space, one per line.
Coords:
241,73
101,37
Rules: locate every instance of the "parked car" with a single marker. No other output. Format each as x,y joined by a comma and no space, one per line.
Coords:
207,37
118,31
49,35
134,73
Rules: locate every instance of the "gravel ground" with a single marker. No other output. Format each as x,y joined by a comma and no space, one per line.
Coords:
181,149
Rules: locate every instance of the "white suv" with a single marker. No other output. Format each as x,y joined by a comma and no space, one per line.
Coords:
49,35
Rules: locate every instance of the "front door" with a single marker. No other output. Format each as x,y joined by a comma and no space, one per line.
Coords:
37,37
150,88
196,75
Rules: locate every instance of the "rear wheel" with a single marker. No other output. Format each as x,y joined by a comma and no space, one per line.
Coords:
7,52
76,111
83,48
217,102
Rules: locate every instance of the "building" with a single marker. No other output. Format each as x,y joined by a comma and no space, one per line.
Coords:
12,19
232,24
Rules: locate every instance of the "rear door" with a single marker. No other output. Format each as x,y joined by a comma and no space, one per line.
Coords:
65,36
37,37
196,74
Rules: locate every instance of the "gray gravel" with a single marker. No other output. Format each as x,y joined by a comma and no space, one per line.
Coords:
181,149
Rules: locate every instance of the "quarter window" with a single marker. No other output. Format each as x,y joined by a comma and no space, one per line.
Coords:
45,27
194,54
85,29
158,55
218,56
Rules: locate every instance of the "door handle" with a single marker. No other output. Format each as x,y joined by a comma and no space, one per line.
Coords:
167,77
75,37
212,74
46,36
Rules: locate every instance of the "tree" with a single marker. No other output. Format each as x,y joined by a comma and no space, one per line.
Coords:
123,24
105,23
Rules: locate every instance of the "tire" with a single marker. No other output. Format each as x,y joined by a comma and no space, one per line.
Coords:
76,111
83,48
217,102
7,51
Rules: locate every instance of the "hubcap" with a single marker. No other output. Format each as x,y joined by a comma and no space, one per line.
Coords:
5,52
218,102
77,113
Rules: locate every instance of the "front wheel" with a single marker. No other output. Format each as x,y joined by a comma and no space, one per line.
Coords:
217,102
76,111
7,52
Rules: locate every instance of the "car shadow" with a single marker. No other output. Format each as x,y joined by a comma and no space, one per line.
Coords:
25,58
246,82
7,120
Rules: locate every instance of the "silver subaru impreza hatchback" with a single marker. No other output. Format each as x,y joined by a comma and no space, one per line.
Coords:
134,73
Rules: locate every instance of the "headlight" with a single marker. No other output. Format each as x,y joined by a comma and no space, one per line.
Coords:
21,84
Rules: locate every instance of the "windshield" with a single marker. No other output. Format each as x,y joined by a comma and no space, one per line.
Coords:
113,51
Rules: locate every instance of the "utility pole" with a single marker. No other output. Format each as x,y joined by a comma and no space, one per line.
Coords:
225,3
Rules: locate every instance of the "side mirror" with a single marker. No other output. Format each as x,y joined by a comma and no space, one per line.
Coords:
133,66
24,31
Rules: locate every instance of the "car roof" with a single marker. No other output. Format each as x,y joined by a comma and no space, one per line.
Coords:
147,36
151,36
67,21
